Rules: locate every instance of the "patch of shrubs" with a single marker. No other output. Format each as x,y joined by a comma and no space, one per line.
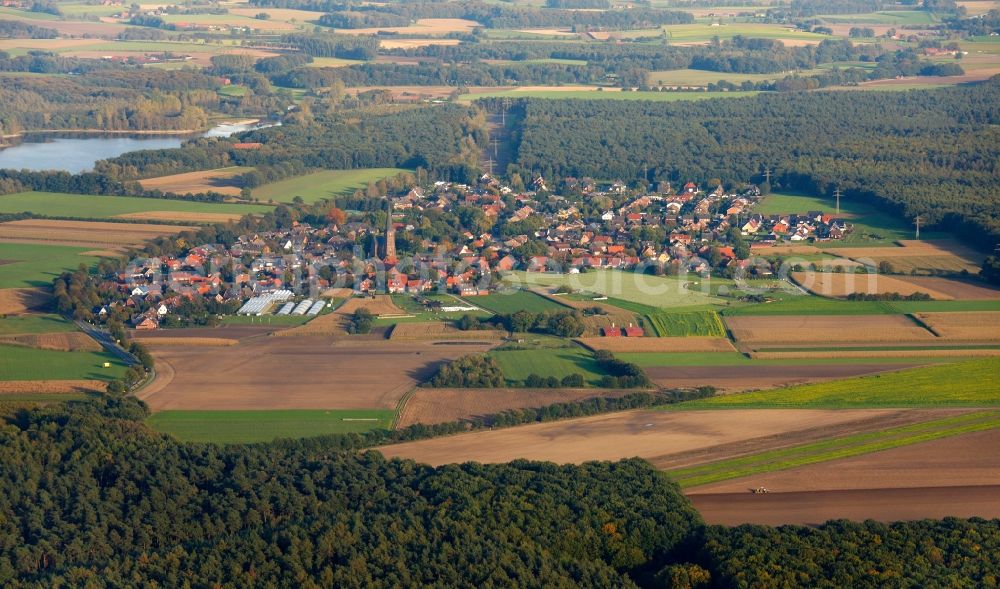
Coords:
888,296
535,381
620,374
469,372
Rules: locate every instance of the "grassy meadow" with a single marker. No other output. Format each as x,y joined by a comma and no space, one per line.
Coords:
41,323
236,427
665,292
519,300
24,265
705,323
23,363
321,185
87,206
517,365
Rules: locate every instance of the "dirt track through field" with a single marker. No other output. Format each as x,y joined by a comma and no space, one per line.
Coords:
637,433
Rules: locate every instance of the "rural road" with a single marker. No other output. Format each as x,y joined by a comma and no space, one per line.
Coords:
104,338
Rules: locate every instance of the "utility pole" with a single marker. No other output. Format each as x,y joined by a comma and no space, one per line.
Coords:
917,221
495,148
836,193
767,175
491,166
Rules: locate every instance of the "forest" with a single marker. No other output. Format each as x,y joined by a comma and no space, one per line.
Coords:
93,497
880,147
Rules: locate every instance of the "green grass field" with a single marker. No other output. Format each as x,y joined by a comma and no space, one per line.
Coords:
321,185
332,62
42,323
665,292
22,363
689,77
704,32
871,227
238,427
87,206
558,362
885,17
608,95
519,300
963,384
24,265
834,449
686,324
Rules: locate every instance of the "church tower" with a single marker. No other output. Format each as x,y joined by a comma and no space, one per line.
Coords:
390,237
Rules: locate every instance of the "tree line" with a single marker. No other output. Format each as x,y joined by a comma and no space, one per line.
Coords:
122,505
881,148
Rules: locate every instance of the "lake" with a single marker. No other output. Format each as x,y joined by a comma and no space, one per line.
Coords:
76,154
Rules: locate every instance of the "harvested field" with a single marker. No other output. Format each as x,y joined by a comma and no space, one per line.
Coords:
423,26
221,180
615,436
441,331
940,254
294,373
830,284
330,324
745,377
188,334
815,507
380,305
945,462
20,387
959,290
753,330
47,44
658,344
20,300
337,293
183,216
945,477
430,406
94,234
66,342
187,341
414,43
979,326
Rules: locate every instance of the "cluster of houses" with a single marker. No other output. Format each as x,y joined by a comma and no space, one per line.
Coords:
572,229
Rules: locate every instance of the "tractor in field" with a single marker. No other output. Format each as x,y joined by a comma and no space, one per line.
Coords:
760,490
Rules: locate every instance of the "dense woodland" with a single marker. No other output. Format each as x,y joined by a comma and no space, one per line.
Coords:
94,498
885,148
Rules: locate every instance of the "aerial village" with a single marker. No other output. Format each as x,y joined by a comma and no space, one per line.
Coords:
572,228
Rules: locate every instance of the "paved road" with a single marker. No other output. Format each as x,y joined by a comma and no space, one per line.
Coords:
104,338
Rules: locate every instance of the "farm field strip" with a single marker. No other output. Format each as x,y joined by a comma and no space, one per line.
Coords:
655,291
756,330
92,206
94,234
35,323
968,384
322,185
517,365
510,302
221,180
237,427
693,345
834,449
37,265
699,323
557,93
24,363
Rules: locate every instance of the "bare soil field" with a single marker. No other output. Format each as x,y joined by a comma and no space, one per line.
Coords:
826,329
658,344
952,476
972,76
977,326
188,341
332,324
959,290
19,300
221,181
947,462
83,233
423,26
16,387
293,373
183,216
48,44
731,379
441,331
379,305
815,507
413,43
66,342
236,332
430,406
932,254
631,433
830,284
